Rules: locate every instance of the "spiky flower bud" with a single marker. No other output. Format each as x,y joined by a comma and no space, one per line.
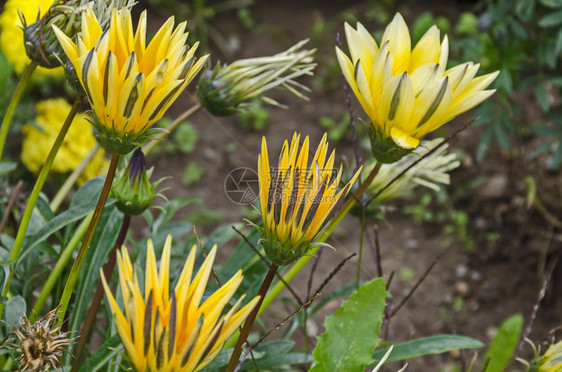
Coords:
41,44
225,90
133,189
40,345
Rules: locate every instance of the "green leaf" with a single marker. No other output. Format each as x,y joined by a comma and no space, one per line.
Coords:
352,331
551,19
551,3
344,290
103,355
7,167
542,97
427,345
504,344
58,223
15,308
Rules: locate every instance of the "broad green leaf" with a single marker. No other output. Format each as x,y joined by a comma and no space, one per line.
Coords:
551,19
504,344
104,354
426,345
15,308
352,332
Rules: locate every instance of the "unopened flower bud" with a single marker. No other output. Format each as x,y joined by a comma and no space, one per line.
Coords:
227,89
41,44
132,187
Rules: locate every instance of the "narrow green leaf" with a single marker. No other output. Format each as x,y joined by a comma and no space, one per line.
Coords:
427,345
352,332
551,3
503,345
551,19
103,355
542,97
58,223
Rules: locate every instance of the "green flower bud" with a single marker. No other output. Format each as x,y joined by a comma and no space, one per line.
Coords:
227,89
133,189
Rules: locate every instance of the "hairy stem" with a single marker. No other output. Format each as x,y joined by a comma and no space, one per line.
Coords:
251,318
75,272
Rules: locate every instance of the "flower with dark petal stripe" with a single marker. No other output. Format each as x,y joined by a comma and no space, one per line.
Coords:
407,92
297,198
182,331
129,84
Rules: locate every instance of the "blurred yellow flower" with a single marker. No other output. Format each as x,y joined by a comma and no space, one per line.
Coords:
177,332
407,92
297,199
11,34
129,84
551,361
38,138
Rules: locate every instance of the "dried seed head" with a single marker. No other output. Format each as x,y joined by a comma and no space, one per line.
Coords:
40,345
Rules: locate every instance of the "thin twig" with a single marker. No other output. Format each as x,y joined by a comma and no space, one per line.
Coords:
261,256
10,205
415,287
313,270
289,317
399,175
378,251
535,310
205,256
334,272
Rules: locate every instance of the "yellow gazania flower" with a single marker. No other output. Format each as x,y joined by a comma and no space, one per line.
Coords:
551,361
177,332
406,92
11,34
129,84
297,199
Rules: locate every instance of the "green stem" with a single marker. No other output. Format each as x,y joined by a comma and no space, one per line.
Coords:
75,272
71,180
7,120
41,178
234,358
170,128
98,296
61,264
